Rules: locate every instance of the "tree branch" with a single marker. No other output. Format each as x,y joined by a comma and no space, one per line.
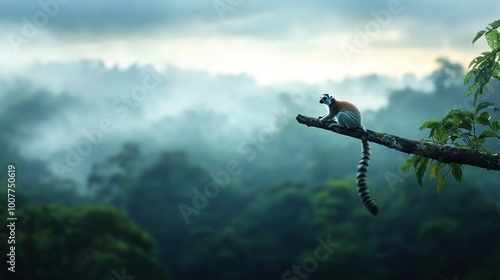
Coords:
441,153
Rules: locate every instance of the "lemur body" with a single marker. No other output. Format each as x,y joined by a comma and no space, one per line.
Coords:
350,117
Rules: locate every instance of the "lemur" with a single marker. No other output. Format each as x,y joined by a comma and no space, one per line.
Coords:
349,116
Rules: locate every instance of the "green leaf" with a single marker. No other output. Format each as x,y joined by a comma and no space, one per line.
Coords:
440,184
478,141
495,24
421,168
471,71
453,137
478,35
456,171
468,76
478,94
472,87
450,123
495,125
433,133
435,171
496,70
408,163
429,124
465,124
485,115
484,118
417,162
486,133
475,61
457,113
469,90
493,39
483,105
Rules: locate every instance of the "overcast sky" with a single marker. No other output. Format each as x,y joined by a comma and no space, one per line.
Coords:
271,41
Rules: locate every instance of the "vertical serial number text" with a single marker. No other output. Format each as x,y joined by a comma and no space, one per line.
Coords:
11,218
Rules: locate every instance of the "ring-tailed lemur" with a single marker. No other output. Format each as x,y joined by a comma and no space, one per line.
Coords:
349,116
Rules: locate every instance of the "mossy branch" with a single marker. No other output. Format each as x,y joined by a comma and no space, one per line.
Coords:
441,153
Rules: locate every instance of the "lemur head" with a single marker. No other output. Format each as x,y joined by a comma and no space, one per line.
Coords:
327,99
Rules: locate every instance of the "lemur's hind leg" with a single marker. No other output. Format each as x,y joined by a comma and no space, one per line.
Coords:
347,120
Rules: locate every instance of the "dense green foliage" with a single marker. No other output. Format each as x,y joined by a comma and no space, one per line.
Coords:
466,127
486,66
262,233
88,242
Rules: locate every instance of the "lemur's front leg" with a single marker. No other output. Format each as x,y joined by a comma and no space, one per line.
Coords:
322,116
327,117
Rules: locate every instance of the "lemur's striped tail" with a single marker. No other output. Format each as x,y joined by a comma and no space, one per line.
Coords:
363,192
